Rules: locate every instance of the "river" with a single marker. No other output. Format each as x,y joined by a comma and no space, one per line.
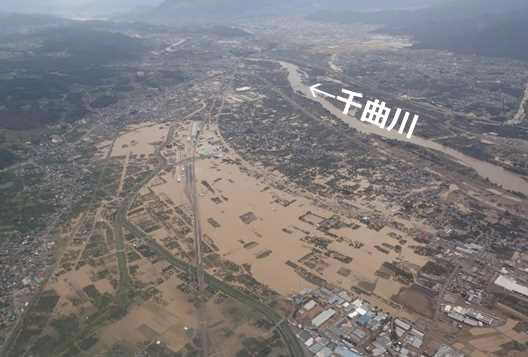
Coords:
494,173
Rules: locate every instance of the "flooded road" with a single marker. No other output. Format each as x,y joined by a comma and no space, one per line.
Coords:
494,173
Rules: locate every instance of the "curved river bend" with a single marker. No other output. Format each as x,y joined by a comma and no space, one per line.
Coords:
494,173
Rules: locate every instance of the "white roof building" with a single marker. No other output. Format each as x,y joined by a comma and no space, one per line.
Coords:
323,317
309,305
510,284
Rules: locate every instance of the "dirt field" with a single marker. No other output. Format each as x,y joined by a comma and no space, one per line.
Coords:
415,299
489,340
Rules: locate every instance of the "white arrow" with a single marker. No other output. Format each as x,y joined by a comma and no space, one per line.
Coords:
313,90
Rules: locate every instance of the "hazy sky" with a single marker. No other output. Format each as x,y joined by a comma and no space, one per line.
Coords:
81,8
91,7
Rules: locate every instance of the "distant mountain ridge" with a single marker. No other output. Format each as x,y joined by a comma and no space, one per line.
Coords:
224,9
481,27
12,23
233,9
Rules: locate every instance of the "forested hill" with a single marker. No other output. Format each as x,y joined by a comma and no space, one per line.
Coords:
480,27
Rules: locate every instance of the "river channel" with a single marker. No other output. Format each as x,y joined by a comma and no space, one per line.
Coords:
494,173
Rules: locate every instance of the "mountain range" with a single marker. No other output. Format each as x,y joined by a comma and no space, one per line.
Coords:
182,10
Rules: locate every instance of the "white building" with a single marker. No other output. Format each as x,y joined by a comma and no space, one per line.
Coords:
309,305
510,284
323,317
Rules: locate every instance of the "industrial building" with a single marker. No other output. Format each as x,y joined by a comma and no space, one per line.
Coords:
323,317
512,285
